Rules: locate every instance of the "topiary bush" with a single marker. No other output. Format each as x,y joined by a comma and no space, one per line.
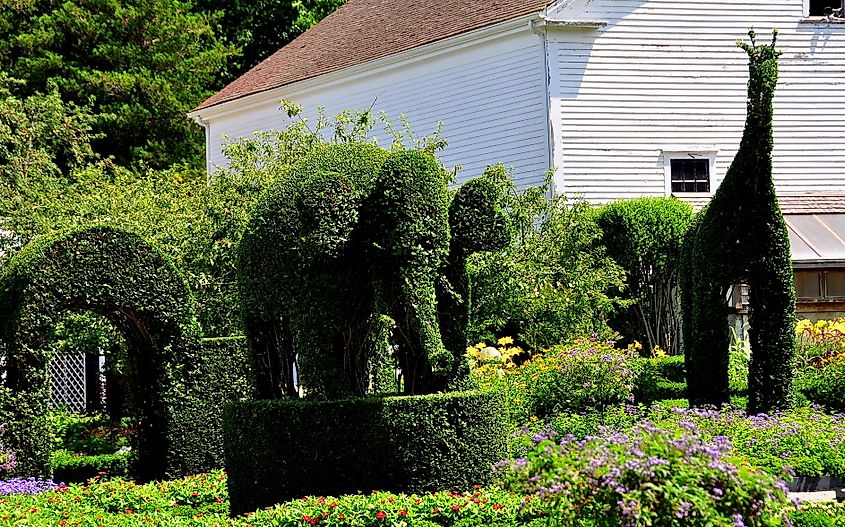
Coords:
644,236
742,236
132,284
301,274
282,449
339,263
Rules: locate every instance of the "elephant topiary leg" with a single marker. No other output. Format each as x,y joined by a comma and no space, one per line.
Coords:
272,341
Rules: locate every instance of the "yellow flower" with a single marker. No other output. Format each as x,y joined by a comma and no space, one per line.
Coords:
504,341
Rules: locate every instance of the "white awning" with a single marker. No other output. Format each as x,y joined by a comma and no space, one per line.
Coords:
817,239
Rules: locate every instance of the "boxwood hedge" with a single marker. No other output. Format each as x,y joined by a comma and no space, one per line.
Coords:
282,449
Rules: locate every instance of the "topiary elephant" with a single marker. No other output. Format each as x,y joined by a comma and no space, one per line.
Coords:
348,243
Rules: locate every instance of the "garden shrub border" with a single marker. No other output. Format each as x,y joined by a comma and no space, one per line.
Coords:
281,449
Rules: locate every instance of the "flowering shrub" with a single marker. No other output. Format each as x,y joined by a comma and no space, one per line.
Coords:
821,362
806,441
589,374
821,342
645,476
200,501
26,486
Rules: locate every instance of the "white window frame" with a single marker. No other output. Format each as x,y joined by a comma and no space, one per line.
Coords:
689,153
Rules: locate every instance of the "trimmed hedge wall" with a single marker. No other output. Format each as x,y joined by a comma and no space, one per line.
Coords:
277,450
178,384
68,468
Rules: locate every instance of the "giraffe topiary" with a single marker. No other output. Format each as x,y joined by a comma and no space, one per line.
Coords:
742,236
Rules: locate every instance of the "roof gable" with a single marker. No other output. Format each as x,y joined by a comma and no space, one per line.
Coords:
364,30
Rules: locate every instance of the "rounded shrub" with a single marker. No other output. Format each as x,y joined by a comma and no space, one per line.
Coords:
282,449
132,284
644,236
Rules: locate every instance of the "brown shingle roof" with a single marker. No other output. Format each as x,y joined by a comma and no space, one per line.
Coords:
807,203
364,30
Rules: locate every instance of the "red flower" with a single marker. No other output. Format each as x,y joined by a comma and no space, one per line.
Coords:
218,500
497,506
341,516
128,511
436,511
332,505
403,512
456,507
380,515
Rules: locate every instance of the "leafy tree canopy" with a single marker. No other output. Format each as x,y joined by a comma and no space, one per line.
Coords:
138,64
260,27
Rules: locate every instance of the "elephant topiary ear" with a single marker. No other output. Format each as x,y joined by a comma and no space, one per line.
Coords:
476,218
328,205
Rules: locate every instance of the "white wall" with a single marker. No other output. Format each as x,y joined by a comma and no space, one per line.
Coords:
666,75
491,97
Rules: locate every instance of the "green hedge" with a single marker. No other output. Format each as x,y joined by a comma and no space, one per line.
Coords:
179,385
69,468
660,378
282,449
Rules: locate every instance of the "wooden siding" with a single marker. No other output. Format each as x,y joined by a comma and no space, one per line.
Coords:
665,75
490,96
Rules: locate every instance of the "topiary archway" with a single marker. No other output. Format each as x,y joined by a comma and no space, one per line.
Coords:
119,276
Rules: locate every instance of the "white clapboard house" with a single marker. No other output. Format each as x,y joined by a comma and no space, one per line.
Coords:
623,98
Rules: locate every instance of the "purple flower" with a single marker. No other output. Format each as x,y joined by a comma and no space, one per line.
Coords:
26,486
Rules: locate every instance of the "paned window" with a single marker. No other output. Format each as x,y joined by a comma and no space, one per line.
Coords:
826,8
820,284
690,175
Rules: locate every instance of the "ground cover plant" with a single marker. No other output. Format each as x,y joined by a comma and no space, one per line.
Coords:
807,440
201,501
